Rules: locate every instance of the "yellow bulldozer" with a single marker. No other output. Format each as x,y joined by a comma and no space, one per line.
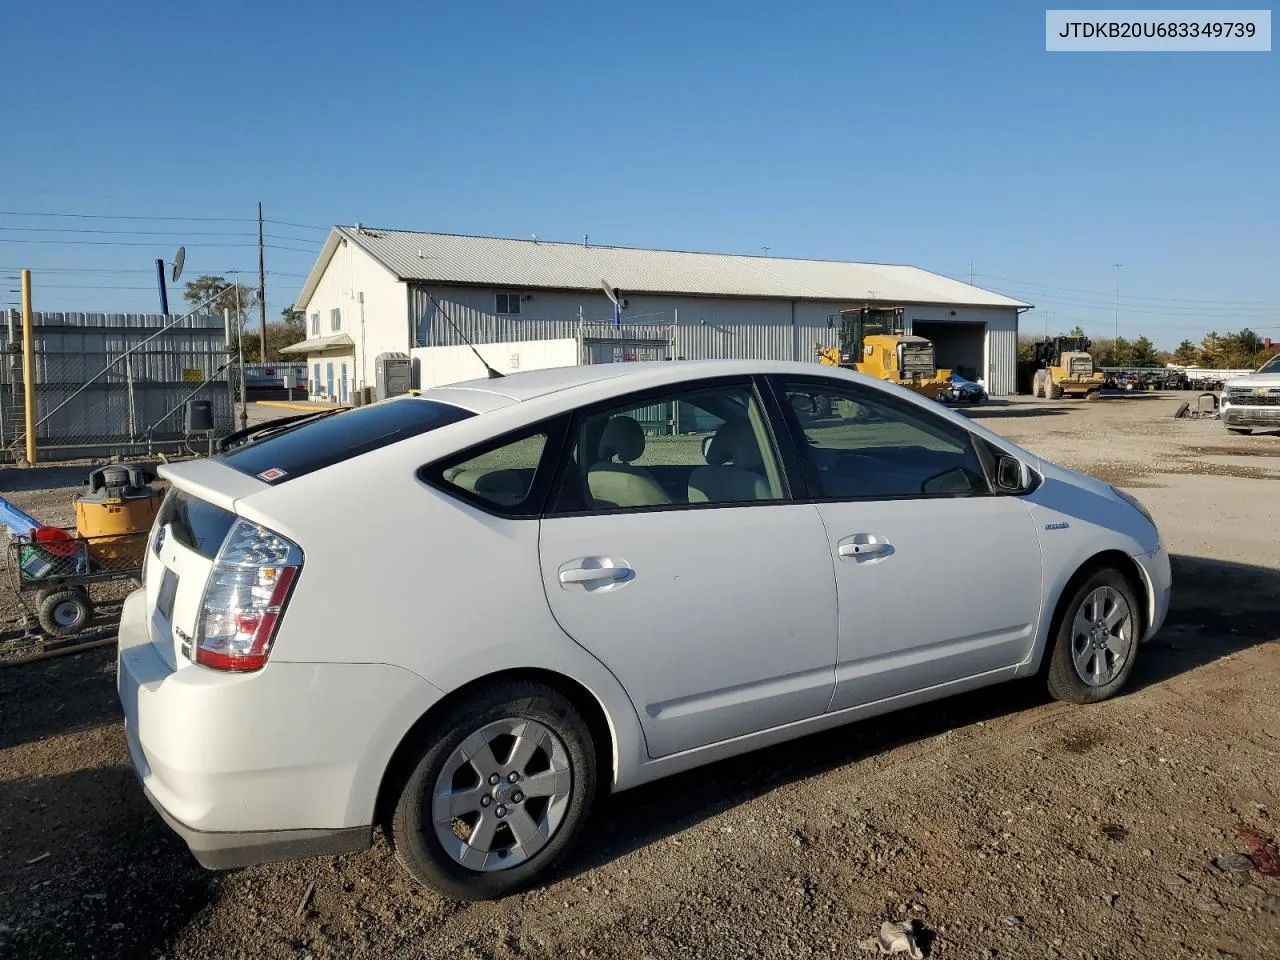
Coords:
872,342
1066,369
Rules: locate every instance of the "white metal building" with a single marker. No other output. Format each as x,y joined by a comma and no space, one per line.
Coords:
377,291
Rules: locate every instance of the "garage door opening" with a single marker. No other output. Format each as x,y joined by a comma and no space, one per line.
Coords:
960,347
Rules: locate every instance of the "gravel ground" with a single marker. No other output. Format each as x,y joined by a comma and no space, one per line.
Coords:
1008,825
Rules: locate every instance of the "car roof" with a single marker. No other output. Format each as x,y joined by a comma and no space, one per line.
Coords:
530,384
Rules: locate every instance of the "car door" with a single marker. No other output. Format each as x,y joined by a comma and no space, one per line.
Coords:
693,576
938,579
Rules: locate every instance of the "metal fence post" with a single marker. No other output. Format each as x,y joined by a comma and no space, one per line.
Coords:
128,377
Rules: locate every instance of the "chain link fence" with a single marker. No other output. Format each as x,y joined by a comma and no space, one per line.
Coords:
114,384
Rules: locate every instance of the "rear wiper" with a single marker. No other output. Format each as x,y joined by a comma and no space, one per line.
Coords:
260,431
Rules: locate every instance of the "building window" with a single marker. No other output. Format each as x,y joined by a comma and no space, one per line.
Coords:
509,303
315,324
335,318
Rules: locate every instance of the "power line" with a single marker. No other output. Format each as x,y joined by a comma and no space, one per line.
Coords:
149,272
118,243
1148,308
108,216
129,233
303,226
276,236
276,246
1110,293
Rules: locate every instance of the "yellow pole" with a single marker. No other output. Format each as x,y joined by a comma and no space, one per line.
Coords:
28,367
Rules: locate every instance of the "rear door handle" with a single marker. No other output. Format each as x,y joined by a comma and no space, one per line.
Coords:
591,575
864,546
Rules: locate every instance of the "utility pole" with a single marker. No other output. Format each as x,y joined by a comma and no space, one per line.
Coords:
262,291
971,273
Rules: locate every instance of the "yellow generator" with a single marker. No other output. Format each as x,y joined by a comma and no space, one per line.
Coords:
1066,369
872,342
117,513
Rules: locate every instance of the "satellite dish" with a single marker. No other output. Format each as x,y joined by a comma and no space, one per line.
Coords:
178,260
608,292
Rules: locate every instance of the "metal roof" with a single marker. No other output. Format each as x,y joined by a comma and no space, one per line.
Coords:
338,342
525,264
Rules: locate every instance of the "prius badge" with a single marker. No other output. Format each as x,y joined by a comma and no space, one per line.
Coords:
1060,525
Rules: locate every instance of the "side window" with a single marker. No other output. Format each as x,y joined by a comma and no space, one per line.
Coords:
508,304
696,447
501,477
335,318
315,324
860,446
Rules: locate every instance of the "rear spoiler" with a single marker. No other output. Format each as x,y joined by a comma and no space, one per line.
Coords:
211,481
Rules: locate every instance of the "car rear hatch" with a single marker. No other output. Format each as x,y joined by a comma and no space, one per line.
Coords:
200,509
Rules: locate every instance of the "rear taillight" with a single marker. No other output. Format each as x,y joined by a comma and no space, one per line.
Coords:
247,590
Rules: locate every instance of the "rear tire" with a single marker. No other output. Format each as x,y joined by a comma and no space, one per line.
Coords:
1093,395
64,612
495,728
1095,644
1037,384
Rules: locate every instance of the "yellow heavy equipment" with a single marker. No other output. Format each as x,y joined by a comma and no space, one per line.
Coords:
1066,369
872,342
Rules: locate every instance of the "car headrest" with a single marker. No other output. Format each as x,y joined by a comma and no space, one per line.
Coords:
735,443
623,438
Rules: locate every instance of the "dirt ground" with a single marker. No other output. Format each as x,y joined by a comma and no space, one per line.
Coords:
1010,826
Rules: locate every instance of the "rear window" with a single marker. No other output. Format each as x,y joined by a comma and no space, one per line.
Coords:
342,436
197,525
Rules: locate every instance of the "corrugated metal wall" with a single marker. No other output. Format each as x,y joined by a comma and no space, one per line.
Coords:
127,400
705,327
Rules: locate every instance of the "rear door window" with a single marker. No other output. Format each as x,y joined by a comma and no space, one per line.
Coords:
304,449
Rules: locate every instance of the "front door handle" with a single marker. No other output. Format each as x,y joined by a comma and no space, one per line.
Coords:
864,546
593,575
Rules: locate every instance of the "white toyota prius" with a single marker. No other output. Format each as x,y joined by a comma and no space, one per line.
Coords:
460,615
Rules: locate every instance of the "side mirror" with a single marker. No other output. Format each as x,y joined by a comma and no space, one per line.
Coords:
706,446
1012,475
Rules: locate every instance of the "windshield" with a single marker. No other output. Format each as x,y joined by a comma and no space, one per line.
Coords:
1271,366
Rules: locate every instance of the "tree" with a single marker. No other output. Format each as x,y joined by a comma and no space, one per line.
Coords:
1186,354
206,286
1142,353
291,329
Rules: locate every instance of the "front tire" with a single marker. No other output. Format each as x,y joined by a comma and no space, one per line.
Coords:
1096,642
499,790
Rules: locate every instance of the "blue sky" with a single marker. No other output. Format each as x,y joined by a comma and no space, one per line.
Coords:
933,134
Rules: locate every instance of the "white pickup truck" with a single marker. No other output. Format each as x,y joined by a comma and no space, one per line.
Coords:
1253,401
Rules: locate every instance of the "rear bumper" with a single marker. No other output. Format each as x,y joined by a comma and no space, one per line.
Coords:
1250,416
228,851
248,768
